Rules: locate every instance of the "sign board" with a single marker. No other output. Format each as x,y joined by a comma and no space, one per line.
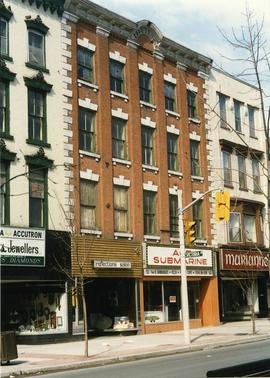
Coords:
163,256
109,264
244,260
22,246
177,272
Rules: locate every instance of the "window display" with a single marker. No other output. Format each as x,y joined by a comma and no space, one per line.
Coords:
34,308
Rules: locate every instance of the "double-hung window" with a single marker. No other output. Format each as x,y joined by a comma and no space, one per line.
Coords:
145,86
223,110
169,89
172,145
227,171
38,197
121,209
195,158
251,121
174,228
256,175
116,76
3,36
242,172
36,44
36,115
4,192
85,64
4,108
237,115
235,235
148,145
149,212
198,218
88,206
119,144
87,130
250,228
192,104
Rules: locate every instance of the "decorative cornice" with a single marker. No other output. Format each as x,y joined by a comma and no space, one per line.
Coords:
5,11
5,73
39,159
53,5
36,24
38,82
103,32
5,153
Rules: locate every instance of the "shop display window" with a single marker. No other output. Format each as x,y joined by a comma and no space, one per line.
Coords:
162,301
30,308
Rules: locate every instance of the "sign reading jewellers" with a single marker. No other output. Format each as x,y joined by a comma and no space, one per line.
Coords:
22,246
169,257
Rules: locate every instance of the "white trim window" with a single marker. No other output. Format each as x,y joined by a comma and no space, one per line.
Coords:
235,235
3,36
250,228
121,216
88,204
119,143
36,48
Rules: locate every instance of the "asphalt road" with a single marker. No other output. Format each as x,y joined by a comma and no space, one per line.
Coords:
191,364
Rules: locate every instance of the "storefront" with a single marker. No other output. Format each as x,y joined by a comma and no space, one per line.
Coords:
111,270
161,291
34,294
243,283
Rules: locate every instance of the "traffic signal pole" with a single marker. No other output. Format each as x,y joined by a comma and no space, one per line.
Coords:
184,288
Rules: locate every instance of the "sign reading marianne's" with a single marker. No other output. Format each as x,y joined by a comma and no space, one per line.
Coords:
244,260
22,246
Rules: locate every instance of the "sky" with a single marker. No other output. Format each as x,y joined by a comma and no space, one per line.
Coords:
196,23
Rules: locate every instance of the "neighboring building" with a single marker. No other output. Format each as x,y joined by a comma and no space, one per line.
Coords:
238,166
139,137
34,293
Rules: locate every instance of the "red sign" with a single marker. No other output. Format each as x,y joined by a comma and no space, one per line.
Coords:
244,260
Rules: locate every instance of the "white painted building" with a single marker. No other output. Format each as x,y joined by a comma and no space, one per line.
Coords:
33,165
237,159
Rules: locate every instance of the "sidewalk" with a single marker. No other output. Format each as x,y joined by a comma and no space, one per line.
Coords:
109,349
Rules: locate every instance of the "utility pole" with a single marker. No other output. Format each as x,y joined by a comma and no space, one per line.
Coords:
184,288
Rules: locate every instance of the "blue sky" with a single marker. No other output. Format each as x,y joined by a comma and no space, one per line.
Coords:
195,23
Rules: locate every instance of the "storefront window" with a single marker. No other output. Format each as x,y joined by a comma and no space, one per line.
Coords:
162,301
34,308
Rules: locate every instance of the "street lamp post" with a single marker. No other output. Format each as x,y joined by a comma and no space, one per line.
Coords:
184,289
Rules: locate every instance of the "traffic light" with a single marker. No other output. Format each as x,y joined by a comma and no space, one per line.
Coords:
222,208
190,229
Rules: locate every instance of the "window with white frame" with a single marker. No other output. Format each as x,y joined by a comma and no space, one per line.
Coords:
237,115
149,212
169,89
256,175
172,146
250,228
174,228
242,176
87,130
251,121
234,224
195,157
145,86
88,204
37,120
4,36
119,142
148,157
116,76
85,64
121,216
227,171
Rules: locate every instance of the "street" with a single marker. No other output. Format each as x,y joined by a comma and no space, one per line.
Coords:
192,364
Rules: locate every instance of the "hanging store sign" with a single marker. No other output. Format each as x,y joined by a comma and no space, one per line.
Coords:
109,264
22,246
163,256
244,260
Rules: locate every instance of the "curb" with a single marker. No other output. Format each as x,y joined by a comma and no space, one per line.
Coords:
132,357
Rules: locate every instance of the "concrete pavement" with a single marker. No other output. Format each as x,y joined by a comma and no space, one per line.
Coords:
36,359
